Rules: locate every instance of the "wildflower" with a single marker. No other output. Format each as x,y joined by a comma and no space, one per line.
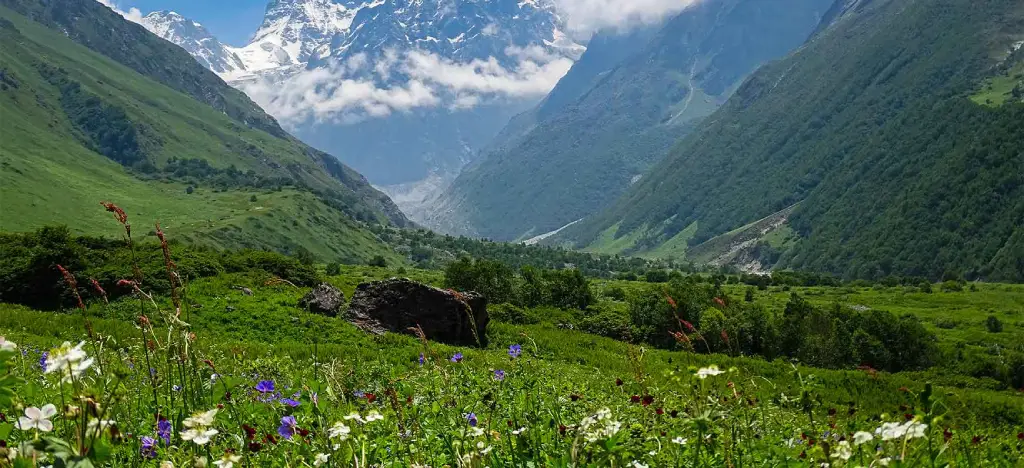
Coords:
101,424
519,431
119,214
423,359
471,418
99,289
148,449
163,430
166,464
370,398
499,375
288,427
634,399
842,450
290,402
711,370
515,351
457,357
36,418
679,441
1020,436
199,431
265,386
71,361
689,326
176,388
228,460
637,464
374,416
647,400
862,437
42,359
7,345
599,426
339,431
355,416
618,382
320,459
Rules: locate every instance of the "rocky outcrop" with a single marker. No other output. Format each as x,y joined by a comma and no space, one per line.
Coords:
401,305
323,299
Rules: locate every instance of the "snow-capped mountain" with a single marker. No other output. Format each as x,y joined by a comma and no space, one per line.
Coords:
405,91
195,39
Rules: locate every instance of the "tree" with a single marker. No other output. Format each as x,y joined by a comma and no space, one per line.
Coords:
993,324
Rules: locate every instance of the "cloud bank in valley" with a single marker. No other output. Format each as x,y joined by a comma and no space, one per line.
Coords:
355,89
584,17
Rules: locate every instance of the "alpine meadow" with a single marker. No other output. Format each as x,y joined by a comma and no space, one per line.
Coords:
507,233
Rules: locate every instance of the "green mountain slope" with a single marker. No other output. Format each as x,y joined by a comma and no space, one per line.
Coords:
79,127
589,146
874,128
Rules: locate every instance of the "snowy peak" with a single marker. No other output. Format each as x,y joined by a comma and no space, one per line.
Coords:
195,39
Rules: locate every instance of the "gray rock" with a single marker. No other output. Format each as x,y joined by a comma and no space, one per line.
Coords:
324,299
400,305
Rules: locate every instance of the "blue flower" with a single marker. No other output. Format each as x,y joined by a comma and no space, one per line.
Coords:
176,388
423,360
265,386
42,359
148,449
163,431
290,402
457,357
359,394
288,427
499,375
471,419
515,350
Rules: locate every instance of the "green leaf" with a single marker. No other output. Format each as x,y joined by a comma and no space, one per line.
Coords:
5,430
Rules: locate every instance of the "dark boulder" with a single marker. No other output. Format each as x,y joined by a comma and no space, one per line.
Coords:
400,305
323,299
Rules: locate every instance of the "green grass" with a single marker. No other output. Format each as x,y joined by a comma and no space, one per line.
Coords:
997,90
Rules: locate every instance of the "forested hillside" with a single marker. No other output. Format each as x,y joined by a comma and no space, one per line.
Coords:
96,108
639,95
876,129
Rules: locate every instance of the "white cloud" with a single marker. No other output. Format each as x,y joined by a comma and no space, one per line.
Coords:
587,16
351,91
133,14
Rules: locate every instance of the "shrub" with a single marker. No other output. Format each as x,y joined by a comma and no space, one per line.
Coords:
509,313
607,323
615,293
333,269
993,324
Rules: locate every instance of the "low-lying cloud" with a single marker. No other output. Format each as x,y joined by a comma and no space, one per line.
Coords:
587,16
132,14
355,89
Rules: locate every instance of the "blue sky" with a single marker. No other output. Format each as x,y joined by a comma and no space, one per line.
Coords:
232,21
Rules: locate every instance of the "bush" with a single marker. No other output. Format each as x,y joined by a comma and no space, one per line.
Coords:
608,324
952,286
509,313
993,324
333,269
615,293
379,261
656,276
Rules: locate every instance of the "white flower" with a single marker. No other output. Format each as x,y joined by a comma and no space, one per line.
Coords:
476,432
915,430
374,416
339,431
483,448
599,426
519,431
70,361
228,461
862,437
320,459
36,418
884,461
637,464
7,345
199,462
166,464
842,451
890,431
679,441
201,419
102,424
709,371
199,436
355,416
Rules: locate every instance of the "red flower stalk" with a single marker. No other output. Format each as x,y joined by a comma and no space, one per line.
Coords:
370,398
125,283
119,214
671,302
719,301
99,289
72,285
634,399
172,275
725,337
647,400
689,326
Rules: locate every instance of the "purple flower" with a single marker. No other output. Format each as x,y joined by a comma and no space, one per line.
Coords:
148,448
290,402
163,431
499,375
315,398
471,418
359,394
176,388
288,427
265,386
457,357
423,360
515,350
42,359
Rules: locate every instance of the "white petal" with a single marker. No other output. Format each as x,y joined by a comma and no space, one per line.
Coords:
45,425
26,424
49,411
33,413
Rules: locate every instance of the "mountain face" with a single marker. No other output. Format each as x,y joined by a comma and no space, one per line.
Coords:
99,108
889,144
406,91
195,39
620,108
